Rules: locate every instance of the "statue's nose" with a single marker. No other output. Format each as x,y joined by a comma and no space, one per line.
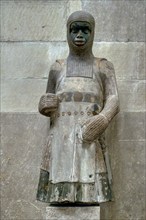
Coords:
80,34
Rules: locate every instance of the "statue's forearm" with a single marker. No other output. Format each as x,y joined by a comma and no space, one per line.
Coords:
111,107
96,125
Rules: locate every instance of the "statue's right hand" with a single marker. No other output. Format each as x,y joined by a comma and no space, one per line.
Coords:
93,127
48,103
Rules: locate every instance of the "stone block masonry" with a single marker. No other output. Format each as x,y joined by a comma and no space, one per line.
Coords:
73,213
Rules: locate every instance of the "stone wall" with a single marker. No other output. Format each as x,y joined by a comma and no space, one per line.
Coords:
33,35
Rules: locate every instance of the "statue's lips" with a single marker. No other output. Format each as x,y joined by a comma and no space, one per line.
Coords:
79,42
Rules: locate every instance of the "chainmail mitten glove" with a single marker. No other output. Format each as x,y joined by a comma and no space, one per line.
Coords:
48,104
93,127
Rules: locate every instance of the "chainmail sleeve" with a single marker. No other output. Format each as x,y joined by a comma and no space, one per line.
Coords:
55,68
96,125
111,100
49,101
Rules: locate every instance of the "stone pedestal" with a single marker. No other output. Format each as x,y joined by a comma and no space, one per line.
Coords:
73,213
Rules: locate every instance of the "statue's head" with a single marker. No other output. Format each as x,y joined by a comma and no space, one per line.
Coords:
80,31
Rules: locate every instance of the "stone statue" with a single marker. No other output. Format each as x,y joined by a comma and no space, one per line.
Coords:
81,99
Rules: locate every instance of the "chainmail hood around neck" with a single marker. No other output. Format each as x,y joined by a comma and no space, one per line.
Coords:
80,59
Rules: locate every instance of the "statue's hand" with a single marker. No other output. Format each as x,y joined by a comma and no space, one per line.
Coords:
48,104
93,127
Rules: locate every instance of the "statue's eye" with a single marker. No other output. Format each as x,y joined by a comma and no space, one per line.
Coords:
86,31
74,31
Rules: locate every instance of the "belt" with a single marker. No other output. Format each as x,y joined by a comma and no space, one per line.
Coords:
78,97
75,113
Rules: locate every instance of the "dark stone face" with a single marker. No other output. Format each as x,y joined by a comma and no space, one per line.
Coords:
80,32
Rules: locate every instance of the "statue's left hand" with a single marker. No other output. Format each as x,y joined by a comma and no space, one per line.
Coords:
93,127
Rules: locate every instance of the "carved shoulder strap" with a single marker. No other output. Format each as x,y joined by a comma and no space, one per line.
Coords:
98,60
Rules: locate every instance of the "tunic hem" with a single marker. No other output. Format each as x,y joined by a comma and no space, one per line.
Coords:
65,192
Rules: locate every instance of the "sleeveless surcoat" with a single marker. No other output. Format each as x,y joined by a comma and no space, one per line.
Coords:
73,170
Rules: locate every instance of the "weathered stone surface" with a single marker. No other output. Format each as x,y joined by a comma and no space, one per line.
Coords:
21,209
127,21
57,51
21,95
128,58
27,60
73,213
23,137
33,20
128,169
117,20
127,126
74,5
30,60
132,95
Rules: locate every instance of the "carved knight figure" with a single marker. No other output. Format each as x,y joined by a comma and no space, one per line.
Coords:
81,99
